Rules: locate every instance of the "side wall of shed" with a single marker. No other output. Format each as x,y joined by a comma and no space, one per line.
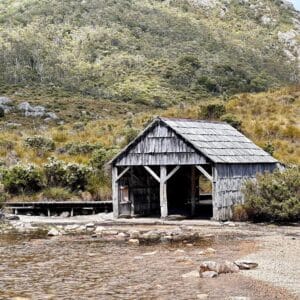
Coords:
228,184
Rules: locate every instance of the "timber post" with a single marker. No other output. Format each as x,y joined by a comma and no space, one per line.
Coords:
163,192
115,192
193,191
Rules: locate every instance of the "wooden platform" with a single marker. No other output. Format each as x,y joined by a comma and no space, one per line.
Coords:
57,208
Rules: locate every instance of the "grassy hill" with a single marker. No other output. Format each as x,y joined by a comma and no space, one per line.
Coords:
148,52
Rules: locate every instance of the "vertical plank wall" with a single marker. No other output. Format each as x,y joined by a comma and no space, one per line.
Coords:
228,184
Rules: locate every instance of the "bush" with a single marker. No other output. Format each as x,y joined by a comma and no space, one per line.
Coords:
40,143
80,148
22,179
232,120
212,110
274,196
71,175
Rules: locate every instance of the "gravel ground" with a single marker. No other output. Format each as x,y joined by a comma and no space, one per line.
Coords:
279,261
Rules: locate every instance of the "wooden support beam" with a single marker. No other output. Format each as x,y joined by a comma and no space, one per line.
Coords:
151,172
205,173
193,191
172,173
122,173
163,192
115,192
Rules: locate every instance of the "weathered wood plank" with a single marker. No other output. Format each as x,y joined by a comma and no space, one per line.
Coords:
152,173
163,192
115,192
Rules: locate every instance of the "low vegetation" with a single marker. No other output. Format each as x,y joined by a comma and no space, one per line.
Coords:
273,197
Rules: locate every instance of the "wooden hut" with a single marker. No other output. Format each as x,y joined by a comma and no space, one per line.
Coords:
158,173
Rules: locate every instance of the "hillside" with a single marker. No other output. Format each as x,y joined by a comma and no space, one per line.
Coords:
147,52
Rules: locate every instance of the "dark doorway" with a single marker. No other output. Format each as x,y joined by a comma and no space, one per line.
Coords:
180,192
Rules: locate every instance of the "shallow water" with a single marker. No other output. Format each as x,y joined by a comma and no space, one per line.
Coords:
80,267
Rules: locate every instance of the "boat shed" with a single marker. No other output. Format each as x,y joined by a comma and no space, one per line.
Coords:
159,173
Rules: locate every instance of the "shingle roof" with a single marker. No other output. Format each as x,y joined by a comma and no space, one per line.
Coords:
220,142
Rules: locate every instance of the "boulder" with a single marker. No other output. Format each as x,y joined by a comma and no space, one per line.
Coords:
12,217
65,214
225,267
134,234
246,265
151,236
53,232
134,242
5,101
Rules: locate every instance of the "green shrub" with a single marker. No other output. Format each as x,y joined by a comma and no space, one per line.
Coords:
232,120
212,111
76,176
69,175
269,147
22,179
274,196
80,148
40,143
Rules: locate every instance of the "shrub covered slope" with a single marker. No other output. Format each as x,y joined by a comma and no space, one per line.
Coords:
152,52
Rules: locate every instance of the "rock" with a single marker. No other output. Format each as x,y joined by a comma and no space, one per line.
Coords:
202,296
134,242
207,251
209,274
71,227
179,251
11,217
5,101
65,214
53,232
89,225
2,215
166,239
52,115
225,267
99,229
150,253
192,274
134,234
151,236
246,265
239,298
110,232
